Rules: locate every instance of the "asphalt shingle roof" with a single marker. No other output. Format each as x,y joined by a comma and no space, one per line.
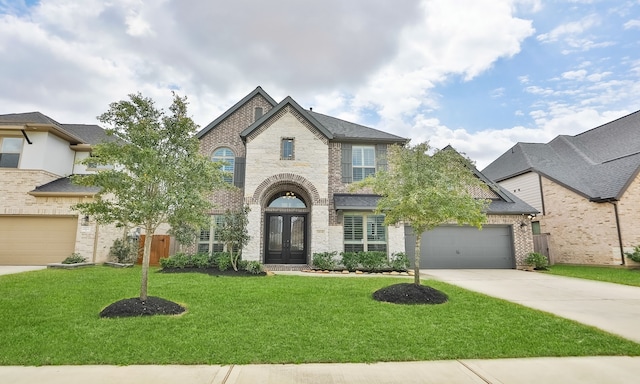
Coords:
86,133
65,185
598,163
333,128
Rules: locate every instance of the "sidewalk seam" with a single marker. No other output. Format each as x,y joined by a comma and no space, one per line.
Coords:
474,372
226,377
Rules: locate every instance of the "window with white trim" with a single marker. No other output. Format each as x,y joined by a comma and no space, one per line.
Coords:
364,232
227,156
363,160
10,150
286,149
209,240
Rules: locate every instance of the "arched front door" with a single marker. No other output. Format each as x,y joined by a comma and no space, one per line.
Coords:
286,230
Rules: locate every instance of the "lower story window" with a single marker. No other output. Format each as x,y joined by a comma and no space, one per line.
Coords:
209,240
364,232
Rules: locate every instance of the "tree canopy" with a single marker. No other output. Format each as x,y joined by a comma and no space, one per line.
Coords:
155,173
427,190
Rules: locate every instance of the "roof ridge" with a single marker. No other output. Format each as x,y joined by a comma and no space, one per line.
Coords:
607,123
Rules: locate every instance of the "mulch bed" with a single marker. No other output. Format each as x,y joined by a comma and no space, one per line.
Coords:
212,272
136,307
409,293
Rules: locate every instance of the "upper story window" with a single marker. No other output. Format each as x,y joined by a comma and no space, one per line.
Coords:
10,150
286,149
225,155
363,159
94,166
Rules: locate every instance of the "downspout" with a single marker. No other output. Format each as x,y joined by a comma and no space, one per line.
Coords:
615,209
95,242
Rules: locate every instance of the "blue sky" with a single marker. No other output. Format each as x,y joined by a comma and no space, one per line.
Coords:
478,75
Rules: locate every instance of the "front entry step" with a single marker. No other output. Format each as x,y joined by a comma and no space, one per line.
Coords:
285,267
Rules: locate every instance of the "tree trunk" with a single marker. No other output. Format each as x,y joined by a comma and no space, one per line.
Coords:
148,238
416,260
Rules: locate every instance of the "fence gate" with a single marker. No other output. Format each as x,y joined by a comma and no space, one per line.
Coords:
159,249
541,245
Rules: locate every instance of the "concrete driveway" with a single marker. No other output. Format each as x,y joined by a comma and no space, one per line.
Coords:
614,308
9,269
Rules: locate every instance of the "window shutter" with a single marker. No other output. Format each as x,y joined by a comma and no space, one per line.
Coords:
238,172
347,167
381,157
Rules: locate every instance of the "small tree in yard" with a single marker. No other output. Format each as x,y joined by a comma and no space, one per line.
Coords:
158,175
426,191
234,235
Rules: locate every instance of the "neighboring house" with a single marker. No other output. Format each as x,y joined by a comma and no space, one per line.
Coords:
37,225
587,188
293,168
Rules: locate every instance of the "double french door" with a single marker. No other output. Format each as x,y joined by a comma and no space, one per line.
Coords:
285,240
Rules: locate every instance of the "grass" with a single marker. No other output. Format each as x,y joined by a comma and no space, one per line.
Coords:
610,274
51,317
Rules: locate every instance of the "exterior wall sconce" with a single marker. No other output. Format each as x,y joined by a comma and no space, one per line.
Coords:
85,221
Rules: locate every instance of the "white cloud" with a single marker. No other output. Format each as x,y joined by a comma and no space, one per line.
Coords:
575,75
569,29
632,24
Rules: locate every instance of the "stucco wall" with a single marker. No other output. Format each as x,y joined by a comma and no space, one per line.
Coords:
582,232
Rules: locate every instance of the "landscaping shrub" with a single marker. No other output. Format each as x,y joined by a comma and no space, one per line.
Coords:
373,261
635,255
222,260
350,260
537,260
201,260
123,251
179,260
399,262
75,258
253,267
325,260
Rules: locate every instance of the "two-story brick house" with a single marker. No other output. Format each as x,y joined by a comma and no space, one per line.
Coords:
37,224
293,168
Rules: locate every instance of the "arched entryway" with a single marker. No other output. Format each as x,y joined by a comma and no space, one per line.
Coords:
286,218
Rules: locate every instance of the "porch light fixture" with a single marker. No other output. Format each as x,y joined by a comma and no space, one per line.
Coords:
85,221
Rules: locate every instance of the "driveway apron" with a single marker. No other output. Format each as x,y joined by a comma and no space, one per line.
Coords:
614,308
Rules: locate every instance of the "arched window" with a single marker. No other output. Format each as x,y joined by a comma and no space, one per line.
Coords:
287,200
225,155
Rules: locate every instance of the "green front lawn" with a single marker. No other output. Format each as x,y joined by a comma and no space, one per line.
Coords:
610,274
51,317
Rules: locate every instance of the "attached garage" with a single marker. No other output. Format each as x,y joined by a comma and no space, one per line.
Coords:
36,240
464,247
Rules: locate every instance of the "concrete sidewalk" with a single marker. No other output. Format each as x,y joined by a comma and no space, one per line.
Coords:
569,370
614,308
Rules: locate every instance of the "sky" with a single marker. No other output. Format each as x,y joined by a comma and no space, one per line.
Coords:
477,75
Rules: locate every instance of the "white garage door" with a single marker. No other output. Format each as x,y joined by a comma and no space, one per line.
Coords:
36,240
464,247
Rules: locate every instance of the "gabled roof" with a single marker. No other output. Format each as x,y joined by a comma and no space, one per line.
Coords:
331,127
74,133
598,164
236,106
288,101
505,203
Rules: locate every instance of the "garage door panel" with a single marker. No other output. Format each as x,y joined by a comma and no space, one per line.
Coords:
36,240
456,247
